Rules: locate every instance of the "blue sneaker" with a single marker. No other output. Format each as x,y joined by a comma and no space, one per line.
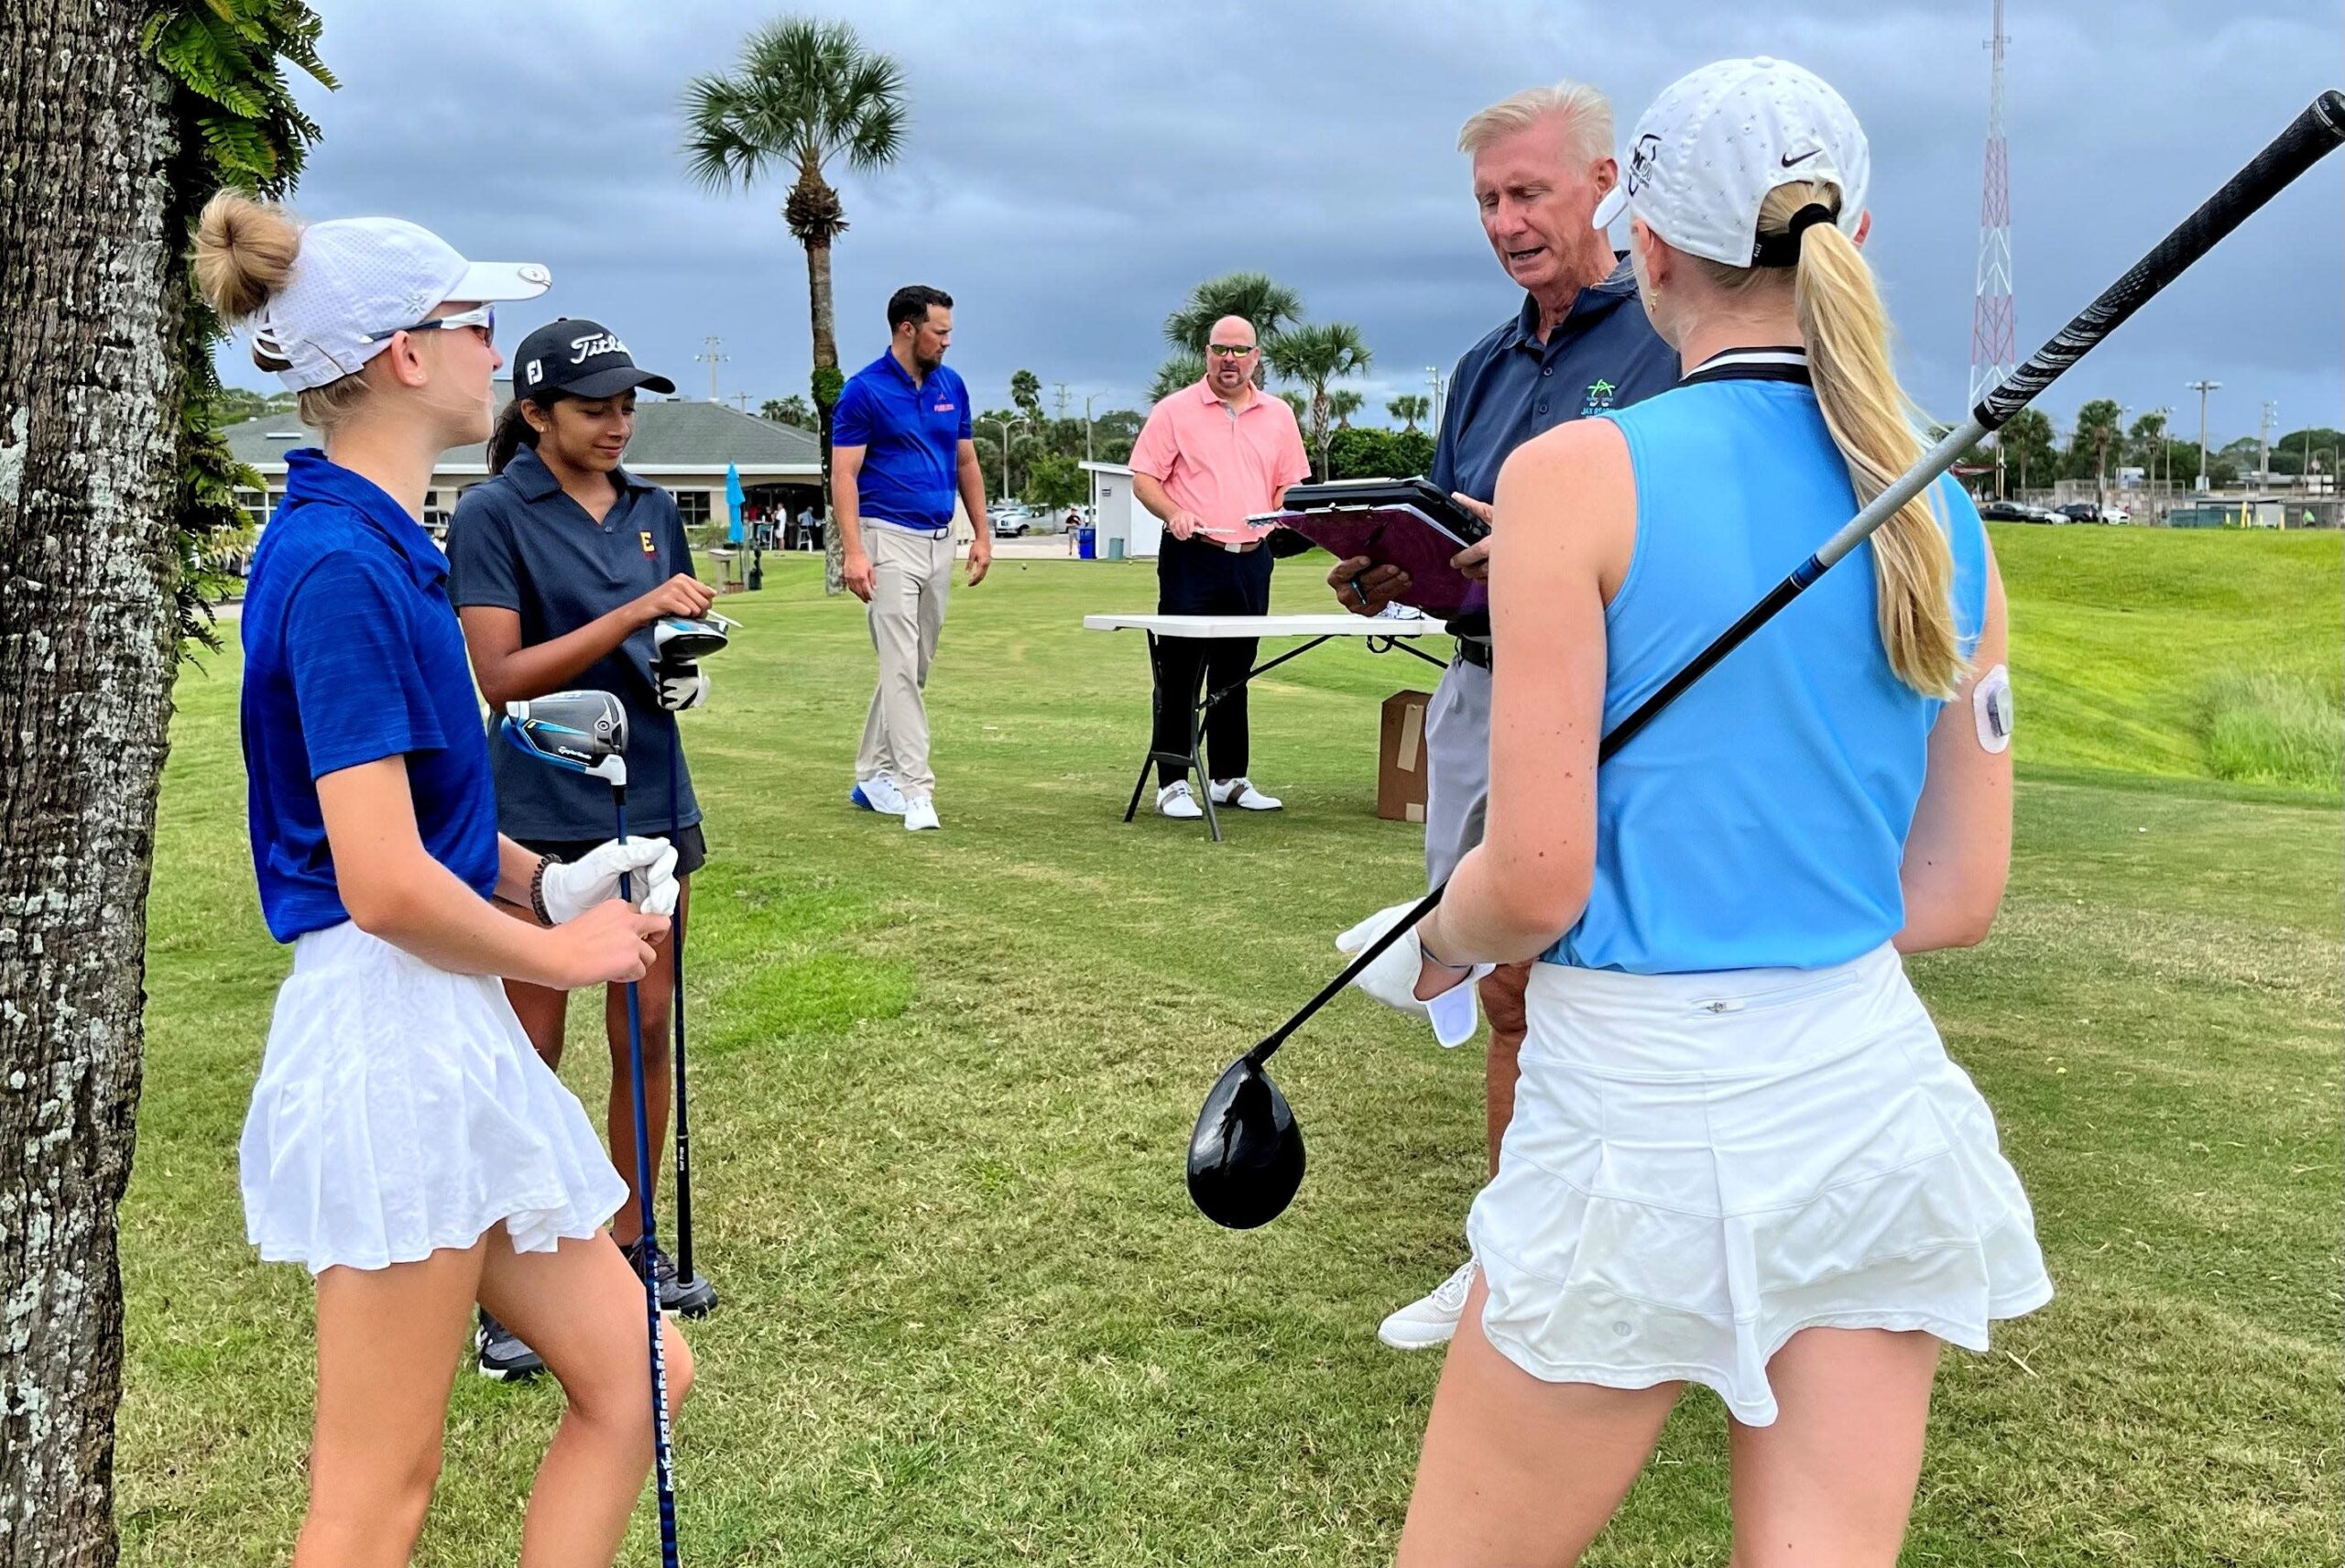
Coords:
876,793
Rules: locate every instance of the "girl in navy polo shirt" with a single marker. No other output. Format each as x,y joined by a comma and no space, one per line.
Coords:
404,1141
559,567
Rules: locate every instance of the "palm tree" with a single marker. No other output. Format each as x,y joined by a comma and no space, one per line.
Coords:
1185,367
1344,403
1026,393
791,410
1316,356
1409,408
805,92
1273,306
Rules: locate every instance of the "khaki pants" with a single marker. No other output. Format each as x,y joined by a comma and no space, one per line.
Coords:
910,576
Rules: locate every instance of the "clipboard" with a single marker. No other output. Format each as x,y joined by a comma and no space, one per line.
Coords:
1406,523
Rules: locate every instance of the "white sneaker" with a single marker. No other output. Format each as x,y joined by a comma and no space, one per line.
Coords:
1174,801
1241,793
919,813
1421,1326
878,793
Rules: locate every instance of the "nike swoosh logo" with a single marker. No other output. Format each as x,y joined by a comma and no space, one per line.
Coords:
1802,157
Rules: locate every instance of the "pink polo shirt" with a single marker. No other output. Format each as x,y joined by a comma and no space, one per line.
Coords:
1223,465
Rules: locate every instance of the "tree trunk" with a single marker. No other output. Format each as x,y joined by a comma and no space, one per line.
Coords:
90,380
827,358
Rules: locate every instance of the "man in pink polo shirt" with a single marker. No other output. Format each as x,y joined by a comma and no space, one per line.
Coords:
1210,456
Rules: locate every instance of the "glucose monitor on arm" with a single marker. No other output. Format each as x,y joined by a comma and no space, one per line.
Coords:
1991,706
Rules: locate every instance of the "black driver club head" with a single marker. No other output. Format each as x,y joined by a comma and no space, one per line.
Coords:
1245,1156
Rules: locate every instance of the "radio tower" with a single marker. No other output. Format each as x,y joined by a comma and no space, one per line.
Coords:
1994,349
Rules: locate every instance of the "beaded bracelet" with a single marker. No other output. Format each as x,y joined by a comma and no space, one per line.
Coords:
537,889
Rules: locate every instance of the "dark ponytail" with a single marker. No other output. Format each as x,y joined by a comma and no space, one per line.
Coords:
510,434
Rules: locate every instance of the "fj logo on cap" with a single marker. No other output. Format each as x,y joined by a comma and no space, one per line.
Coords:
537,372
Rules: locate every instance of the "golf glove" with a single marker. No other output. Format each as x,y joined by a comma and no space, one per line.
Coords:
681,685
1392,978
570,890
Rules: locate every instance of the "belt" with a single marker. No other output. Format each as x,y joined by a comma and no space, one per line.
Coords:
1241,548
932,530
1474,650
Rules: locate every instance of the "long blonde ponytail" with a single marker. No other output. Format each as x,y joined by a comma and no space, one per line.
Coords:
1875,426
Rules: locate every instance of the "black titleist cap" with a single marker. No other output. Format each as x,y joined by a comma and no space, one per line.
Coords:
578,358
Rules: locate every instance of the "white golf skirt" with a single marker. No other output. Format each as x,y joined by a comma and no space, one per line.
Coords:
1700,1166
401,1109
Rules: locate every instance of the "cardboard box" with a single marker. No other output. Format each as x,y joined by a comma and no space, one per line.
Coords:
1401,758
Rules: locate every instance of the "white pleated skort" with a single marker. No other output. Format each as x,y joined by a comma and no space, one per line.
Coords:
1700,1166
401,1109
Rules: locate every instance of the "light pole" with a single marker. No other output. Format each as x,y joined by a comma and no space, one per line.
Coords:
1432,374
2202,389
1088,399
1005,425
2263,434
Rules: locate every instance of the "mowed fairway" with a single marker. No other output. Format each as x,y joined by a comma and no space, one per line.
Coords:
942,1085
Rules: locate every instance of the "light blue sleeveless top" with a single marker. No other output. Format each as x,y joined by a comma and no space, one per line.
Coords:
1761,820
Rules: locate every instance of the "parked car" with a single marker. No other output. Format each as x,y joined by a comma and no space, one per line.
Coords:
2018,512
2087,512
1011,524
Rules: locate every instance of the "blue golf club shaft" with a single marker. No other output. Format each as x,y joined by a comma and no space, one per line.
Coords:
676,957
662,1462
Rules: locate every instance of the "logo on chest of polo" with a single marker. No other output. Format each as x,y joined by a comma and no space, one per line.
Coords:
1599,397
649,547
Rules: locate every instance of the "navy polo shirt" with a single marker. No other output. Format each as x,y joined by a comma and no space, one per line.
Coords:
910,438
352,654
518,542
1510,386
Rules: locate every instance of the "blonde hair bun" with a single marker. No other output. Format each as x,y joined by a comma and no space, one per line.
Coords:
244,252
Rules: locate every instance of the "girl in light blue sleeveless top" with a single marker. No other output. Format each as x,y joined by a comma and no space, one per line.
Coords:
1740,1155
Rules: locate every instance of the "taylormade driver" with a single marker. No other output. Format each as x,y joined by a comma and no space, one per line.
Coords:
1246,1155
685,641
585,732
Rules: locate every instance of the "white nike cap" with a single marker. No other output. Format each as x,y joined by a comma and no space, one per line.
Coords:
1703,159
356,281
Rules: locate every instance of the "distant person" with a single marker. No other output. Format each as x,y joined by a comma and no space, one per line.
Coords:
1739,1156
1579,346
901,456
1210,456
558,565
404,1143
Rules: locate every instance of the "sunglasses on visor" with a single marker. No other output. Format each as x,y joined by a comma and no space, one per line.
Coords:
483,316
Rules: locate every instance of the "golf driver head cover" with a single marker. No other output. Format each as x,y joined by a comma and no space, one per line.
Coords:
571,889
1393,979
681,685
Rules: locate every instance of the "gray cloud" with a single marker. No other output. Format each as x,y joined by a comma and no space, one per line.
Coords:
1070,172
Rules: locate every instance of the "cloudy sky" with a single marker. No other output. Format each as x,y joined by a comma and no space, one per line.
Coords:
1071,170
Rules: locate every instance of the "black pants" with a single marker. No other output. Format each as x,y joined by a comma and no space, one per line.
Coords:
1195,578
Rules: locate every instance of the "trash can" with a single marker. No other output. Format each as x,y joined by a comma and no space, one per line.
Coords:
1116,547
1086,544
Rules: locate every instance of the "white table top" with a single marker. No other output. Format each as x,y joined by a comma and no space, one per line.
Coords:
1328,626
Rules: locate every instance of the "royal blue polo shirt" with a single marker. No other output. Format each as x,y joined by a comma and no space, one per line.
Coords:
910,438
1511,387
520,543
352,654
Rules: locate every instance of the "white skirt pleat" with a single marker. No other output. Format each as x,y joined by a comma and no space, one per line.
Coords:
1700,1166
401,1109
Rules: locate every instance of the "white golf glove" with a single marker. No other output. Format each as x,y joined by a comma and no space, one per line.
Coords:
1392,978
681,685
570,890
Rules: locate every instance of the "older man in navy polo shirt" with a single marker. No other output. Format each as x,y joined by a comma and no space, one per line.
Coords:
899,451
1580,344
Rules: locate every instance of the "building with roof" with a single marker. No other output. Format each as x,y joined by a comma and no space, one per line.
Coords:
680,444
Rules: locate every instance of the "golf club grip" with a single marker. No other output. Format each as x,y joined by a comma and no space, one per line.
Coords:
2310,137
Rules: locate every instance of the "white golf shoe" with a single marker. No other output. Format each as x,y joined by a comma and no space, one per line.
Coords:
1421,1326
878,793
1174,801
1241,793
920,812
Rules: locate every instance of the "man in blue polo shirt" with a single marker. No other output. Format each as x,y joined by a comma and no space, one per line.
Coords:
900,452
1580,344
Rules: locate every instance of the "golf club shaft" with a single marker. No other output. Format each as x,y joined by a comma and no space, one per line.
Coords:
662,1461
2311,137
676,958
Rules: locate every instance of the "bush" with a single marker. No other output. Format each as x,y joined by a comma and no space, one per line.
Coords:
2273,728
1365,452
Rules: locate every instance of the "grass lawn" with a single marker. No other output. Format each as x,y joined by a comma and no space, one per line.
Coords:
941,1084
